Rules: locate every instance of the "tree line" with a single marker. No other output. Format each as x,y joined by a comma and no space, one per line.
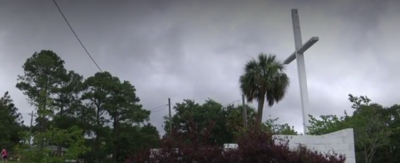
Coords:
97,118
100,118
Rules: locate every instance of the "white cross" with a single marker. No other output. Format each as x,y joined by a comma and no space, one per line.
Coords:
299,55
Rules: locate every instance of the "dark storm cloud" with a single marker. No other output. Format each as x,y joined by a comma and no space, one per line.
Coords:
196,50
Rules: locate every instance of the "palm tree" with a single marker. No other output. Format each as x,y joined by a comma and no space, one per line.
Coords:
264,79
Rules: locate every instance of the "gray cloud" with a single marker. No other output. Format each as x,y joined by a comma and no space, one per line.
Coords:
192,50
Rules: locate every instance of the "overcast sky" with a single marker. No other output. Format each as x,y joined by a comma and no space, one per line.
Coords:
197,49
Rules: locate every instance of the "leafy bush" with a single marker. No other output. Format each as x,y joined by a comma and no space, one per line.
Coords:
72,138
254,147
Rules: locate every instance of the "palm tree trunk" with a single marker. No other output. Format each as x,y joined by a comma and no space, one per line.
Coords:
260,109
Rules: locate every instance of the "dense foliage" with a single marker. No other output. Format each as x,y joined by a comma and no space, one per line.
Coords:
69,108
228,120
375,129
73,137
99,119
254,146
11,122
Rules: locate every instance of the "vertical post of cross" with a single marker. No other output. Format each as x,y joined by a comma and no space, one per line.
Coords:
298,54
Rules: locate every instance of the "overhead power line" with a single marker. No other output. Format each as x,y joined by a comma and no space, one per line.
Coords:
158,108
233,102
70,27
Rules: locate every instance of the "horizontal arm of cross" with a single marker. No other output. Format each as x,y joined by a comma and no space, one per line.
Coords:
303,48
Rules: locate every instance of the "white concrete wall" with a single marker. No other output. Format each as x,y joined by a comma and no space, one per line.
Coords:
341,142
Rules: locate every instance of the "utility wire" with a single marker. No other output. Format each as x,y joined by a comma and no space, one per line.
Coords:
232,102
70,27
158,108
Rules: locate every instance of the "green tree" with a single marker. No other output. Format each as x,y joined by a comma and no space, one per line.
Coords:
67,102
370,122
235,118
48,86
372,131
328,123
106,95
124,108
67,95
95,96
42,77
264,79
72,136
273,127
11,122
136,138
235,122
202,115
390,153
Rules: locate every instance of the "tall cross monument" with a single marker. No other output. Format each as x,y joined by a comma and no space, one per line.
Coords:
298,54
